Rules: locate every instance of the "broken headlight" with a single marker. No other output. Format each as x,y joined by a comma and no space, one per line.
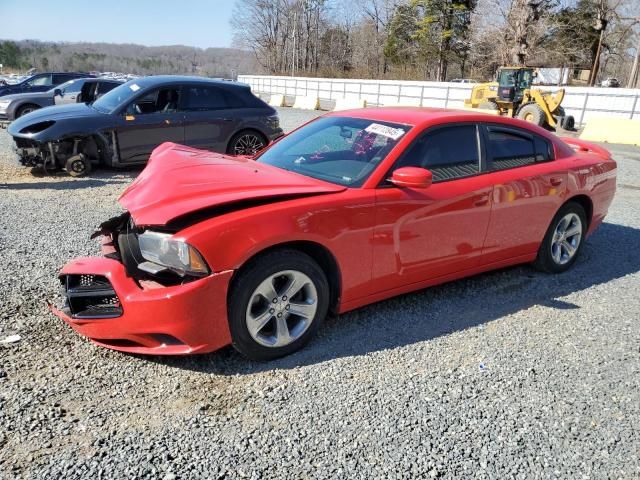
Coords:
162,250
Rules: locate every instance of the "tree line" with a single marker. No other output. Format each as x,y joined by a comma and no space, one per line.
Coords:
124,58
439,39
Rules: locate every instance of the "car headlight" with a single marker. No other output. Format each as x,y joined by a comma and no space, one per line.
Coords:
177,255
4,105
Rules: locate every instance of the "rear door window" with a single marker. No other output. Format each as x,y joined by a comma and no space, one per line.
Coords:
59,78
512,148
205,98
448,152
104,87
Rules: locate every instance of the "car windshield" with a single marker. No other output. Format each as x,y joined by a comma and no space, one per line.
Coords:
340,150
116,97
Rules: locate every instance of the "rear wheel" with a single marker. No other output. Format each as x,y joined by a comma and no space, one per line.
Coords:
247,142
563,239
23,110
276,304
532,113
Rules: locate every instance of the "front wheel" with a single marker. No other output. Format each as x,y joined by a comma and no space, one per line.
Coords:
248,142
532,113
276,304
78,165
563,239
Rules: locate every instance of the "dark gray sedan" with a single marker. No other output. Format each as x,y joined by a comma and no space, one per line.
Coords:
126,124
73,91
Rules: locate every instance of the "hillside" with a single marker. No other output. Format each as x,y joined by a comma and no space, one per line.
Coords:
126,58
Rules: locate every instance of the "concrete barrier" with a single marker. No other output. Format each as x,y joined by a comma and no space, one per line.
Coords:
612,130
583,103
307,102
403,102
277,100
349,103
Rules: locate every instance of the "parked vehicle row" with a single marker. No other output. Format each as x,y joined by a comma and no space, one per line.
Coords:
352,208
123,126
40,82
79,90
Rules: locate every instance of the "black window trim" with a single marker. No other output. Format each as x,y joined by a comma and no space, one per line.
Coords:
480,146
488,127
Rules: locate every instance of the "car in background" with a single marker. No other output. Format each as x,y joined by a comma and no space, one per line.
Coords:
123,126
40,82
84,90
611,82
352,208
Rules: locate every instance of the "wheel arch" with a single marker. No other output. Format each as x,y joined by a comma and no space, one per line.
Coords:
320,254
26,103
585,202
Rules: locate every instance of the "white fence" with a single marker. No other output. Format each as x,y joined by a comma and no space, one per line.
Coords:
581,102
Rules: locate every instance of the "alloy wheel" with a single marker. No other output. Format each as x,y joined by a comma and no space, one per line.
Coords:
566,239
248,144
281,308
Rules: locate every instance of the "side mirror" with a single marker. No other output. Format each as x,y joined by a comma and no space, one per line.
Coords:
57,92
412,177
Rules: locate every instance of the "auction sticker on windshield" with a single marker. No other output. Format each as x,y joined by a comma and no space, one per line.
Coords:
134,87
385,131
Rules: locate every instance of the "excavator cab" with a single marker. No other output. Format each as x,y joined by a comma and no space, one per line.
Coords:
512,83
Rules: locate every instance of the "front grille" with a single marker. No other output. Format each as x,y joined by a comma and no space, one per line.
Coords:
90,297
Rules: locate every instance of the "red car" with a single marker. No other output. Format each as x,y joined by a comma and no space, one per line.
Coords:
352,208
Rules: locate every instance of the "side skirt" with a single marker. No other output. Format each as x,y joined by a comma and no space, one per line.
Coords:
412,287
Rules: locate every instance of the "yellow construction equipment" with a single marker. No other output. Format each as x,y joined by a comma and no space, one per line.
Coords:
512,95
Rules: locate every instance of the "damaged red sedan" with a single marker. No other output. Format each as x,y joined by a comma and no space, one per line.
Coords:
350,209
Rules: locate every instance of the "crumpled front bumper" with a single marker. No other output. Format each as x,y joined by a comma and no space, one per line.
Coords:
156,320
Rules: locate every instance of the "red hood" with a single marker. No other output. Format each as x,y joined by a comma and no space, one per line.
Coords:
180,180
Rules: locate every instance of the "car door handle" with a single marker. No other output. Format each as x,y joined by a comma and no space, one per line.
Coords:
481,200
227,119
555,181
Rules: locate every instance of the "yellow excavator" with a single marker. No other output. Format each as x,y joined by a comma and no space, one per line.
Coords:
512,95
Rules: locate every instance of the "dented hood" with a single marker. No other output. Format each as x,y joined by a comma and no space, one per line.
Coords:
179,180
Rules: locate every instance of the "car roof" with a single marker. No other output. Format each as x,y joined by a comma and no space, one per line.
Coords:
158,80
410,115
425,116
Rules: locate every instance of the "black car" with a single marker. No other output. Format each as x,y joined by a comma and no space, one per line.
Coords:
74,91
41,82
126,124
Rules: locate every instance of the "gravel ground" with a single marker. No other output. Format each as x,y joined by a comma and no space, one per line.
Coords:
512,374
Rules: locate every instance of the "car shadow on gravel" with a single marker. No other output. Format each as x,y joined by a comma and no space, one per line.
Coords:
611,253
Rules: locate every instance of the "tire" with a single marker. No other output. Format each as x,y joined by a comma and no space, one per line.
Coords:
276,330
532,113
554,254
246,142
488,106
24,109
567,122
77,165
